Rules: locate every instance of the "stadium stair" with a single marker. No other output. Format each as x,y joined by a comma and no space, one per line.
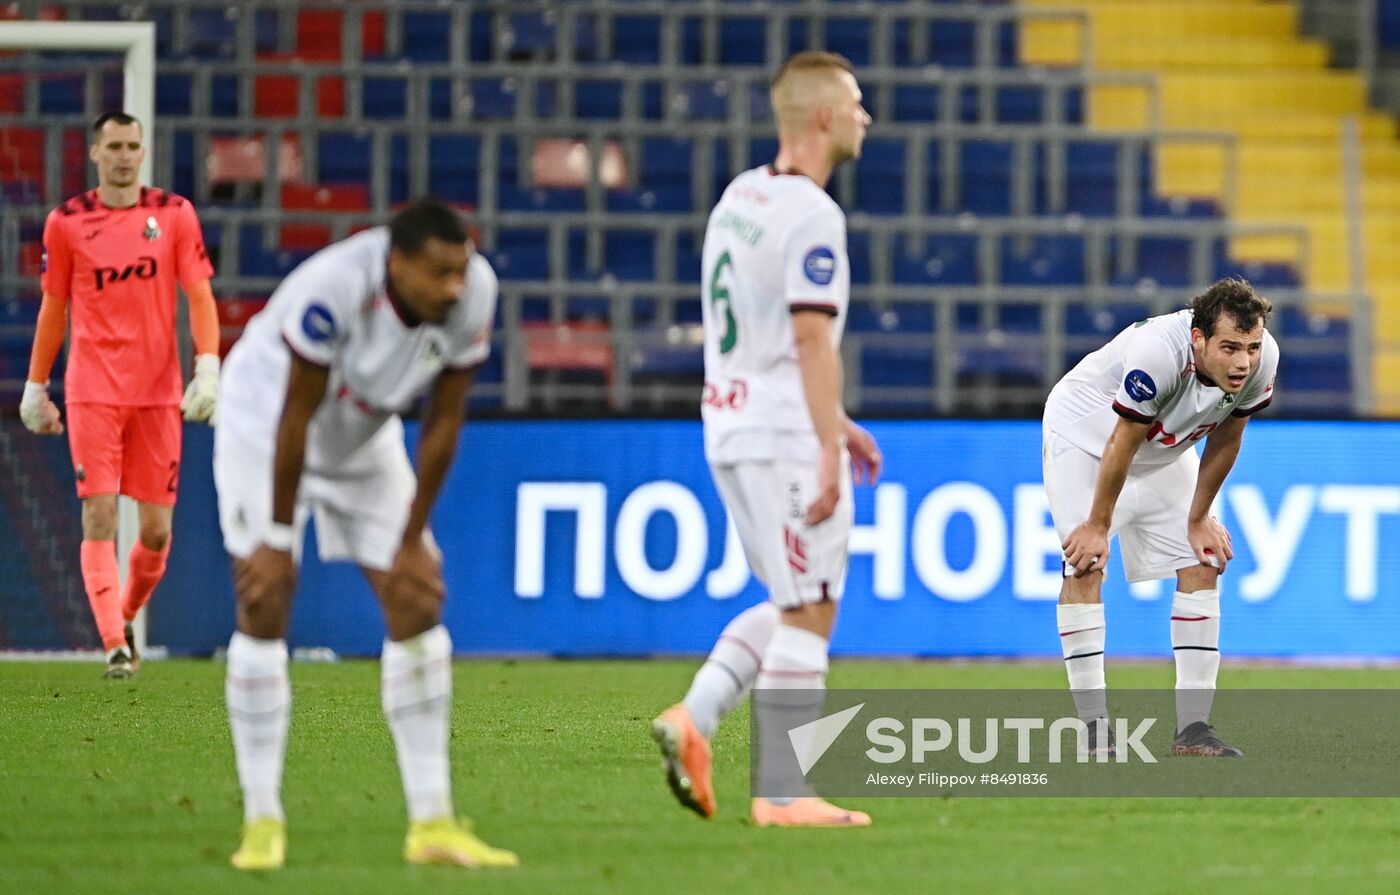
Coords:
1241,67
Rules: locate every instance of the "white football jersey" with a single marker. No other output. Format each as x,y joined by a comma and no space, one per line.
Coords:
774,244
1147,373
334,310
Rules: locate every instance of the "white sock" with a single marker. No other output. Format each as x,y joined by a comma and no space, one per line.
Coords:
792,683
416,685
1082,635
1196,644
259,696
729,672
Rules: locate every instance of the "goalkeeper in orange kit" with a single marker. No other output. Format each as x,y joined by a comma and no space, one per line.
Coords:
112,259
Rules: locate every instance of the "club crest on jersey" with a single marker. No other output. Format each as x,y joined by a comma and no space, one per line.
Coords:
820,265
1139,385
1225,402
152,231
432,353
317,323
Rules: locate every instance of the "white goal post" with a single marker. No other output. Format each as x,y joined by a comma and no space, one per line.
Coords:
136,42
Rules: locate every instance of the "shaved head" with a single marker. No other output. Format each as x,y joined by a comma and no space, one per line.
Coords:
807,82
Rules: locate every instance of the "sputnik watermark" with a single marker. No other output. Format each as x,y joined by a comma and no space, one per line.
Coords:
892,741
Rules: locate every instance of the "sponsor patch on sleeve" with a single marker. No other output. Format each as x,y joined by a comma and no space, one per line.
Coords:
1139,385
317,323
820,265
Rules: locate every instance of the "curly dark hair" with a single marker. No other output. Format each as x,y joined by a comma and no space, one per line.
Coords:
1232,296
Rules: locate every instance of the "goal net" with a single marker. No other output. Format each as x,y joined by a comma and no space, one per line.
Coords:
55,79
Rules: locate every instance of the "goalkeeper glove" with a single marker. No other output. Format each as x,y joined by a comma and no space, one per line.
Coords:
202,396
37,412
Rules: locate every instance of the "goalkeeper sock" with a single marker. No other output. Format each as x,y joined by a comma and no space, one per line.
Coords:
789,692
1082,636
729,671
417,694
144,569
259,696
98,560
1196,645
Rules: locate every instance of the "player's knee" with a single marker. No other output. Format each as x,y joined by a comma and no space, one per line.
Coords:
155,537
99,519
416,613
263,615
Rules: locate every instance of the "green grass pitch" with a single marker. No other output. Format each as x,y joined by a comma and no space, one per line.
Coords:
130,787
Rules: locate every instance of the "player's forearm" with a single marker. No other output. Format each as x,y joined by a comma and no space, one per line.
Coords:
1217,460
48,337
1117,458
288,465
437,446
306,387
204,317
821,385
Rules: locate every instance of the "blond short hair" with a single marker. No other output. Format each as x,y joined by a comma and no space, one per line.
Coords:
792,85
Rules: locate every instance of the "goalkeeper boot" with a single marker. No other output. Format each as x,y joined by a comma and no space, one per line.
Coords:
264,845
685,755
119,667
446,840
131,646
806,812
1198,738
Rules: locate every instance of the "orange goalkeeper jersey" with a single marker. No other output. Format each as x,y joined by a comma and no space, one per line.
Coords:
118,268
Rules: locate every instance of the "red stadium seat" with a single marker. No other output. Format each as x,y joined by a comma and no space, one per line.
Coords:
568,346
244,160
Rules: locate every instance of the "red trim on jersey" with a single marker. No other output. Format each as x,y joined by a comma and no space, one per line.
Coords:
1250,411
293,349
1190,618
820,307
401,310
1129,413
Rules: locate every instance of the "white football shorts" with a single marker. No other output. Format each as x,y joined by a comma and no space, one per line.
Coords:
798,563
1150,518
360,510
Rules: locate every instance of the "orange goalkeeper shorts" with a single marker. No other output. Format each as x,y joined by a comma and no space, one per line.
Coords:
126,450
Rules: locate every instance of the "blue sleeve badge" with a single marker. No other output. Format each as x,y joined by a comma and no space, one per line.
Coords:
820,265
317,323
1140,386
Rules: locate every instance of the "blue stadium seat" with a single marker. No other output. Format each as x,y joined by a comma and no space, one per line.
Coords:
636,40
1301,323
851,38
743,41
454,163
986,177
1105,320
518,198
426,36
1091,187
258,260
522,254
948,260
492,98
880,177
345,158
1166,259
917,102
598,99
174,94
1020,104
385,98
